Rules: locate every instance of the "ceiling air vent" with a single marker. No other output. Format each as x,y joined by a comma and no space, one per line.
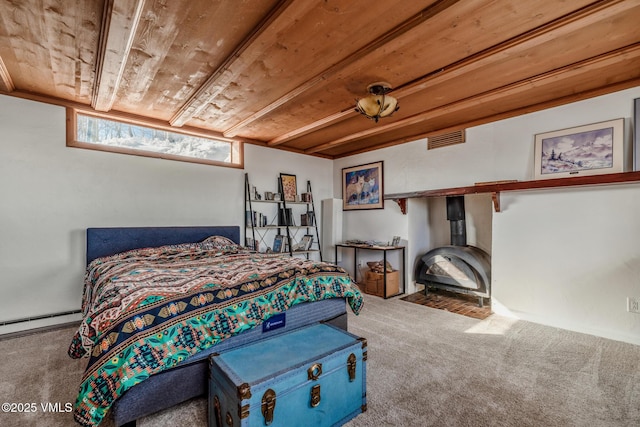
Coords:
446,139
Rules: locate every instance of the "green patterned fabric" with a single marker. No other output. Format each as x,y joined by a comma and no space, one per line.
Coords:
149,309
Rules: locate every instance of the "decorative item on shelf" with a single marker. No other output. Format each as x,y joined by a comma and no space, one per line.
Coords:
502,181
268,195
362,187
289,187
307,219
277,196
256,195
395,241
306,197
378,104
356,242
584,150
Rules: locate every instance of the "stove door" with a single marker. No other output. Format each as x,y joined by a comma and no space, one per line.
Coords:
451,270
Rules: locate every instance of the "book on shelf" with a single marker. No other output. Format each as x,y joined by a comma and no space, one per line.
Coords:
255,219
278,243
307,241
285,216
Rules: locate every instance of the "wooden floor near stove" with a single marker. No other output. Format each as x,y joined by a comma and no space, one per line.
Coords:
465,305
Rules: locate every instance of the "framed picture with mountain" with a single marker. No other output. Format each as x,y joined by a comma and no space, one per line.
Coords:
584,150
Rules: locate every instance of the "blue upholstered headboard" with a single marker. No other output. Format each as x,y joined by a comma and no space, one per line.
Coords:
108,241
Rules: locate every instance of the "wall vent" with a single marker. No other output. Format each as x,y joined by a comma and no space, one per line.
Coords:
446,139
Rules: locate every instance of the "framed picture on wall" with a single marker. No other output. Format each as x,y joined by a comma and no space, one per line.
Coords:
289,187
584,150
362,187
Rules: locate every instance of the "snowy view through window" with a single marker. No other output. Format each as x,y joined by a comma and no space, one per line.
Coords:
111,133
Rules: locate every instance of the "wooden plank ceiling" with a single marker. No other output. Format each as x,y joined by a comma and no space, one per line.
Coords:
287,73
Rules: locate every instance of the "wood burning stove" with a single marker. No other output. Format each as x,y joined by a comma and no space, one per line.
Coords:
457,267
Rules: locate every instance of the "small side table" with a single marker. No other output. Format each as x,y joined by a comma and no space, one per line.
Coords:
384,250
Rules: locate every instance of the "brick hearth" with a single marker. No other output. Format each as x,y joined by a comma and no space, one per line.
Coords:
466,305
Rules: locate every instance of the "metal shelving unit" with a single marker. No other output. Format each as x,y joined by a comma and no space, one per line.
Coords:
260,226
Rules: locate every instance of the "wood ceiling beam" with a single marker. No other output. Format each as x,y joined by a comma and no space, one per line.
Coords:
388,144
575,97
6,83
212,87
386,38
119,24
579,19
563,73
325,121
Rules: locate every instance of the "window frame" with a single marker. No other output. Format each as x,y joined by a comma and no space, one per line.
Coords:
237,147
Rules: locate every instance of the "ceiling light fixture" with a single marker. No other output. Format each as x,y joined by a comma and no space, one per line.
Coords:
378,104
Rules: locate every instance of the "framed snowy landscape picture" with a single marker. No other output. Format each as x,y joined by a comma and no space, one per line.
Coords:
585,150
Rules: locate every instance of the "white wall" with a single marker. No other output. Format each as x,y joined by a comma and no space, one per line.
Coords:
569,258
51,193
264,166
563,257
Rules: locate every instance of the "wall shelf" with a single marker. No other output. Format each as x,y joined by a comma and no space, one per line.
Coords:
495,188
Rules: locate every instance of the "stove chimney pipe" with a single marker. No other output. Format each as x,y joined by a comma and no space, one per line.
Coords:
456,218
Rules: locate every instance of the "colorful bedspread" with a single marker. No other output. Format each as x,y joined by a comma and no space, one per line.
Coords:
147,310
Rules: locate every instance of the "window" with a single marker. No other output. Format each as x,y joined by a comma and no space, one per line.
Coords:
97,132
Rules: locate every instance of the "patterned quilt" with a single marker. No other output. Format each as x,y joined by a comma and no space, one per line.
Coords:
146,310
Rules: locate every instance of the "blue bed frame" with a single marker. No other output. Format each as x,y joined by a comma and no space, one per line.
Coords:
189,379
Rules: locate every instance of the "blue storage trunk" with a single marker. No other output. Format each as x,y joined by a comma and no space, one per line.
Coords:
313,376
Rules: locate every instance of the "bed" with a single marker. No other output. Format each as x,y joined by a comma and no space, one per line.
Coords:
188,291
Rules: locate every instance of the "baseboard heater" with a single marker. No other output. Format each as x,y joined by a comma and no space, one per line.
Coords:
33,318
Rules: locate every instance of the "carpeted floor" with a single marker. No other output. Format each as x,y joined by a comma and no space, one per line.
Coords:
426,367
